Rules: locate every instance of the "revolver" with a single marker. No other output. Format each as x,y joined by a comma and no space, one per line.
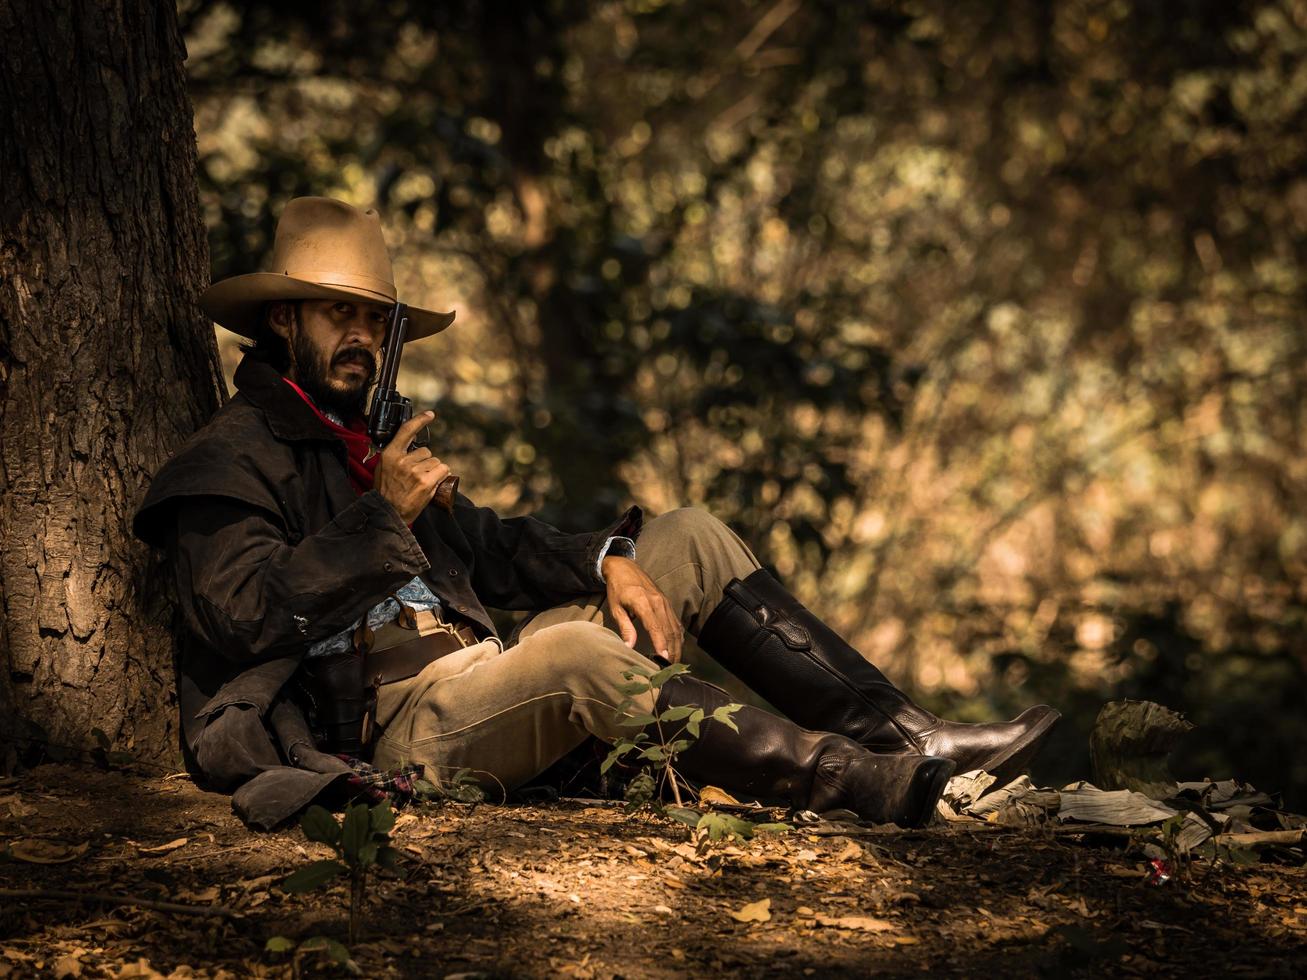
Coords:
390,409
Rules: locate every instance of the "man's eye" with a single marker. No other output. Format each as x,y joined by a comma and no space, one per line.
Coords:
344,309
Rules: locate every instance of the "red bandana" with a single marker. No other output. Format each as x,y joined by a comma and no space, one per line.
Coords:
354,434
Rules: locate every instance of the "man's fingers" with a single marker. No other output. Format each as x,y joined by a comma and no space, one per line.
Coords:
624,625
658,636
430,466
407,432
675,635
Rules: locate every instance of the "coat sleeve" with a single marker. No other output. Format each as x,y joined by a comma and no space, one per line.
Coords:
252,593
526,563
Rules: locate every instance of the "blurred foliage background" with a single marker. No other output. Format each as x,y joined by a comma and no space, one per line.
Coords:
982,322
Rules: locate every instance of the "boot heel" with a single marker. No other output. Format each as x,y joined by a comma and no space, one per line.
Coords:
933,776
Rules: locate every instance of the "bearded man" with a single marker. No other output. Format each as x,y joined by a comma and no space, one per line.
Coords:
334,594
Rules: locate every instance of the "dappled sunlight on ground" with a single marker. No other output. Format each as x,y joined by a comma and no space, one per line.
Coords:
583,889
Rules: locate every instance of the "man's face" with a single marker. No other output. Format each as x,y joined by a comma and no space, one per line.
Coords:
333,349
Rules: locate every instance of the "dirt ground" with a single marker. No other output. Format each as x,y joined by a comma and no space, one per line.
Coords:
582,889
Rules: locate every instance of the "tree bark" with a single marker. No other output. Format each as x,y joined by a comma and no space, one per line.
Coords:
106,364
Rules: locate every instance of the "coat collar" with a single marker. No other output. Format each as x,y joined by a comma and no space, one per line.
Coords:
289,417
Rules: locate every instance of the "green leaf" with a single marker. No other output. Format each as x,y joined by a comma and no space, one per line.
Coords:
319,825
692,727
368,854
279,944
722,825
683,814
465,788
680,745
619,750
382,819
654,753
723,714
313,876
635,672
336,952
772,828
425,789
638,721
719,825
677,713
666,674
640,789
633,688
354,834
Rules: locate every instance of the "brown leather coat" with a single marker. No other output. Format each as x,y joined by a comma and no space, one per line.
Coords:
273,550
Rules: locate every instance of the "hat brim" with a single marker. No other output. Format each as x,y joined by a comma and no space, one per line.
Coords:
237,303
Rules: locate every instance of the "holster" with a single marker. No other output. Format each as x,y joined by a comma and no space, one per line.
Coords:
340,703
339,692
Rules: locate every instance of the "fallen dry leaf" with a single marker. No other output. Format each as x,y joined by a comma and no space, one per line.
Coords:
715,794
140,970
863,922
759,911
35,851
203,895
68,965
17,808
849,852
167,848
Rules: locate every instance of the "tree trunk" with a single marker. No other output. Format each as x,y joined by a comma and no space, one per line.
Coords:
106,364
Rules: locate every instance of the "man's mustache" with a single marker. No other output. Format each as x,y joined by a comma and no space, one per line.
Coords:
361,356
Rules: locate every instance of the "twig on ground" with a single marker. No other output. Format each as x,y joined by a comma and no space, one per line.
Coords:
104,898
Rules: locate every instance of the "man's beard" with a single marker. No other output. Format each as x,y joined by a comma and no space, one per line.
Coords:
312,375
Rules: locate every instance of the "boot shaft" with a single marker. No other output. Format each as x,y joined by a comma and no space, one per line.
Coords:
773,759
824,682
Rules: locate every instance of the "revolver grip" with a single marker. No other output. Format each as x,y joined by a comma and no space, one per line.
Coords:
444,497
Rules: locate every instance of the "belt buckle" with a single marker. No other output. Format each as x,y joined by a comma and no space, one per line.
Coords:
442,625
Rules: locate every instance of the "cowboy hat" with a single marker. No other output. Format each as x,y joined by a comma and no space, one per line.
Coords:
323,249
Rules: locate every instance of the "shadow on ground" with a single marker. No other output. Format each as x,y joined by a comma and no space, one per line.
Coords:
588,891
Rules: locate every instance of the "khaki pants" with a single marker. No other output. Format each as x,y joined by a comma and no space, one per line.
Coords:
508,714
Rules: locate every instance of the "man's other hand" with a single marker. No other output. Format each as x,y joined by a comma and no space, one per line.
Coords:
408,480
631,591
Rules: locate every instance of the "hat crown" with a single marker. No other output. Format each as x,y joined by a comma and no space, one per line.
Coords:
323,250
322,240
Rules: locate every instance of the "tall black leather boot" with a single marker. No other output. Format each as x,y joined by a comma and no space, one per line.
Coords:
769,640
772,758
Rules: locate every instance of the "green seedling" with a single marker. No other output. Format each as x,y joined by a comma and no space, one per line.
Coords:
462,787
361,842
659,754
334,951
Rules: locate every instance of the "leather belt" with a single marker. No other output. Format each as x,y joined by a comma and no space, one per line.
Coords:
408,659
